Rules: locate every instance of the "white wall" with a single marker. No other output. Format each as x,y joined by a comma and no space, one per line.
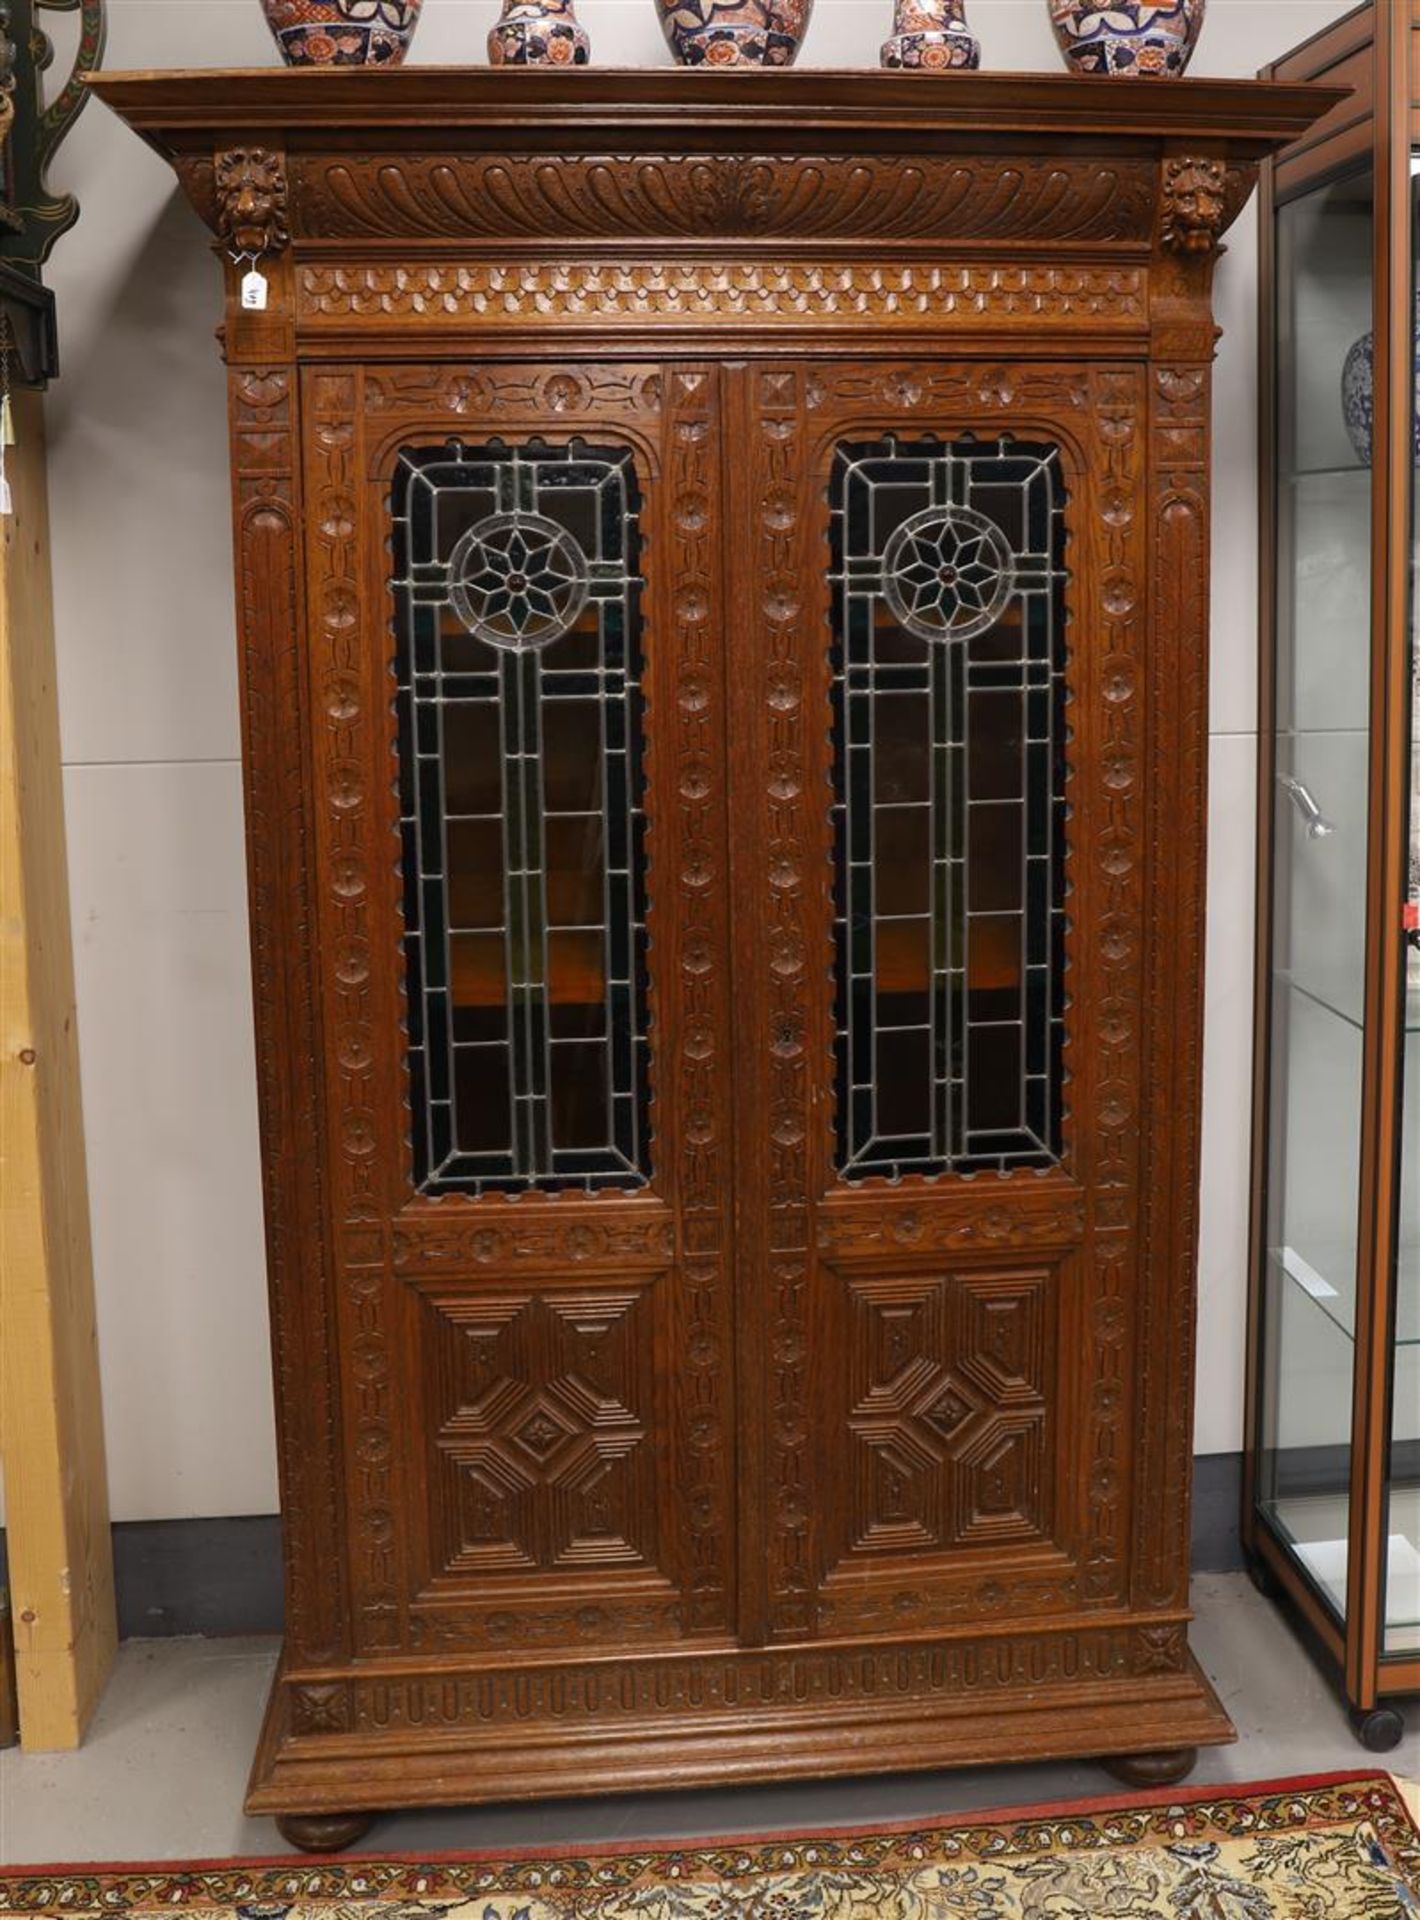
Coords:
149,718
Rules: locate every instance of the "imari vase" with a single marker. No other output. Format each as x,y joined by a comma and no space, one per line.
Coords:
538,33
735,33
930,34
1151,38
342,33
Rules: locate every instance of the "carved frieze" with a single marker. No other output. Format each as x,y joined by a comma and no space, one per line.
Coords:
804,197
634,1688
861,1231
713,291
434,1247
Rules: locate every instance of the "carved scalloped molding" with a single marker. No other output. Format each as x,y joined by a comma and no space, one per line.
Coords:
713,291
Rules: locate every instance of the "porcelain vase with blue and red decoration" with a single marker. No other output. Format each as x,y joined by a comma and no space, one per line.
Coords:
931,36
735,33
1152,39
342,33
538,33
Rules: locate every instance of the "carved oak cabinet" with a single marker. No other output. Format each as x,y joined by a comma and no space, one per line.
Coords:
722,580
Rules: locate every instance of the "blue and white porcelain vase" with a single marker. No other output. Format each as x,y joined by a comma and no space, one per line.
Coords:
1152,39
1358,388
931,36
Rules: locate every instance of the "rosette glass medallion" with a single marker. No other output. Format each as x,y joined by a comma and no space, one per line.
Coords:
517,596
948,654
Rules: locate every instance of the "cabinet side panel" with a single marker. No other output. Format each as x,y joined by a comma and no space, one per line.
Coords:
264,428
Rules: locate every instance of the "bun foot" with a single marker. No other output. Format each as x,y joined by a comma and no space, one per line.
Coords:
323,1832
1163,1769
1379,1730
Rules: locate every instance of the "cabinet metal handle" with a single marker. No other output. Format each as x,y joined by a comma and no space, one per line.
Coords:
1318,826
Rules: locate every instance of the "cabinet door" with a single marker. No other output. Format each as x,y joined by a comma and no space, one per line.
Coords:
517,692
939,847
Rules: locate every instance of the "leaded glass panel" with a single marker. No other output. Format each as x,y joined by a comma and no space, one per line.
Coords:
518,663
948,617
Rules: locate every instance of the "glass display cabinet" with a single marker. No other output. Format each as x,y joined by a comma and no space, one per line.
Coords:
1332,1496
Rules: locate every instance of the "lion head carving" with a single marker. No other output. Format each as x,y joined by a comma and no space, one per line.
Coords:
251,200
1195,202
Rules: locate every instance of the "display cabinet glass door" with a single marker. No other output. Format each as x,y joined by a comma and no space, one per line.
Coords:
1319,930
1402,1605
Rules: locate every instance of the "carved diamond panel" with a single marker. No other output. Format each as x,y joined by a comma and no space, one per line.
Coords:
949,1410
542,1443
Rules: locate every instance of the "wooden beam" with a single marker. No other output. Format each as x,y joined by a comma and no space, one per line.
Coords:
51,1422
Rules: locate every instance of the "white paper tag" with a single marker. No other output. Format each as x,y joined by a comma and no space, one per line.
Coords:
254,290
7,423
5,503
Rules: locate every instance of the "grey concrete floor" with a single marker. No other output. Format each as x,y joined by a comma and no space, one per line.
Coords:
161,1775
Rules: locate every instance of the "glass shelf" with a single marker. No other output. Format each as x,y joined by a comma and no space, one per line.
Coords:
1325,1274
1314,1527
1342,470
1412,1003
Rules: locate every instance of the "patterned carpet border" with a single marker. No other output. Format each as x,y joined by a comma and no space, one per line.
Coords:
1179,1820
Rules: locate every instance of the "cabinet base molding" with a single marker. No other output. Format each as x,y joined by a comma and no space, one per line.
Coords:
443,1765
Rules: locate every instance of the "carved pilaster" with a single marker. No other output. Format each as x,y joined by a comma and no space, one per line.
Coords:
1200,196
269,620
1177,785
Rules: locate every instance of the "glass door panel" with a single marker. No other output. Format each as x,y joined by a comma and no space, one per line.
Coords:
1320,813
518,664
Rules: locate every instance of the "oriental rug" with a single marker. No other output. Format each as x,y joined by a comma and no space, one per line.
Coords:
1334,1848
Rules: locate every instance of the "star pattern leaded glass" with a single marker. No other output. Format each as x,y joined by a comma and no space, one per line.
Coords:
518,580
947,573
517,595
948,650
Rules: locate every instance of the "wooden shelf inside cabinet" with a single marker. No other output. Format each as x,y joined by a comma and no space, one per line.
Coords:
722,574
